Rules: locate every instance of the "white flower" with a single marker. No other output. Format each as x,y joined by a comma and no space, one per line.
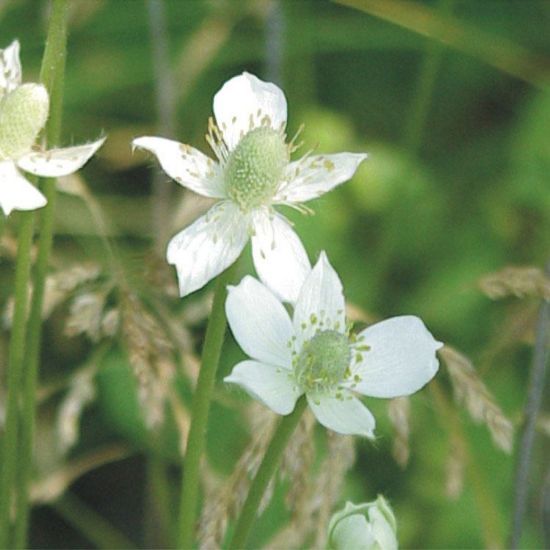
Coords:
253,173
314,354
23,114
369,526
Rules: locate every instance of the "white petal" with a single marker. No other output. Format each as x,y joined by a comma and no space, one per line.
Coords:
58,162
243,103
271,385
345,415
259,322
279,256
312,177
320,304
353,533
10,68
208,246
16,193
186,165
384,533
401,358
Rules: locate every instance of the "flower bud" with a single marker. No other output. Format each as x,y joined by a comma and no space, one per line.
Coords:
23,113
368,526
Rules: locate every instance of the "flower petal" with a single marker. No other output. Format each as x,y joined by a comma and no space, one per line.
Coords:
345,414
269,384
10,68
16,193
383,531
58,162
312,177
259,322
208,246
186,165
246,102
353,533
279,256
320,304
401,358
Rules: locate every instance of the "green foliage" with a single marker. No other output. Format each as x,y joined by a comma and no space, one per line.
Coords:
411,234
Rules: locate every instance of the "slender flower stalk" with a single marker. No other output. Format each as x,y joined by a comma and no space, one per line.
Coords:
265,472
200,409
15,373
52,76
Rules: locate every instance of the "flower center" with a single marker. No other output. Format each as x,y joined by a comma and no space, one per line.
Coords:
23,113
323,361
255,167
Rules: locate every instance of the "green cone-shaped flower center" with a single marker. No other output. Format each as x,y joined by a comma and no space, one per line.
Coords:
23,113
254,169
323,361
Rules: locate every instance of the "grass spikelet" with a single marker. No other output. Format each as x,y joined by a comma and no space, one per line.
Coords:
399,415
80,393
455,468
521,282
471,392
85,315
150,355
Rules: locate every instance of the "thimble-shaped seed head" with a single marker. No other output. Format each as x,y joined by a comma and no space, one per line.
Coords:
255,167
323,361
23,113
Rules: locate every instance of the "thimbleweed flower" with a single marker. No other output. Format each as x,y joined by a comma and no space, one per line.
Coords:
368,526
315,354
253,173
23,114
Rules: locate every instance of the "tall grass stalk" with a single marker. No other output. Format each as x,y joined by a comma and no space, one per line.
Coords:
535,395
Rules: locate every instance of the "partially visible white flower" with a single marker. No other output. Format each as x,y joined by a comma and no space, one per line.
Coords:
313,353
253,173
369,526
23,113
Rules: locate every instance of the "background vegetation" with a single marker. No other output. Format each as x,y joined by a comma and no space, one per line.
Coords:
452,106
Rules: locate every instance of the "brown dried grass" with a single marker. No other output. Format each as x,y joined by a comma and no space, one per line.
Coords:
470,391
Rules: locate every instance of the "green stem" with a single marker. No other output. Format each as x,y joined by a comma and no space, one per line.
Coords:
412,141
431,62
200,408
10,455
93,526
52,76
265,472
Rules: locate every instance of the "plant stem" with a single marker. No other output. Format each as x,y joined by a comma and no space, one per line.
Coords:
94,527
429,68
52,75
532,408
200,408
265,472
14,376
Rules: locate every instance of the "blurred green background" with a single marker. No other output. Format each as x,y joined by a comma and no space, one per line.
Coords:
456,186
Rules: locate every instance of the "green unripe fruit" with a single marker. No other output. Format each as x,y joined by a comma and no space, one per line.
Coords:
23,113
